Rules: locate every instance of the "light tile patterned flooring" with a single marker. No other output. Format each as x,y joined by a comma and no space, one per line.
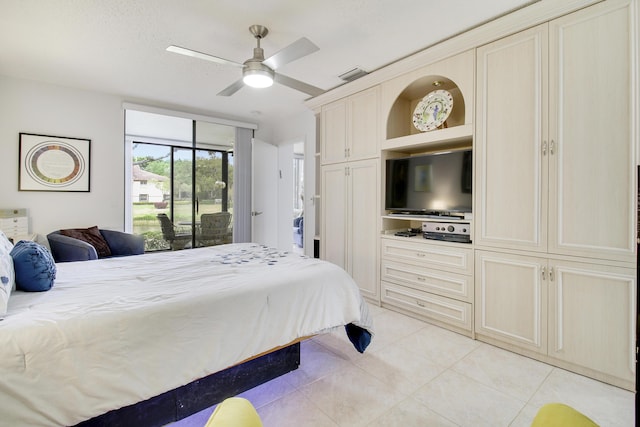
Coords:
417,374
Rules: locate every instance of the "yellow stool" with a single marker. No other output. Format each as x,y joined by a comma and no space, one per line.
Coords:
234,412
559,415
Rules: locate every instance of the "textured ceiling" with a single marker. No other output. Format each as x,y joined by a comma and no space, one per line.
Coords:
118,46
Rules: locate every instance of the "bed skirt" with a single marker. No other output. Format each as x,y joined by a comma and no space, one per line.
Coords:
184,401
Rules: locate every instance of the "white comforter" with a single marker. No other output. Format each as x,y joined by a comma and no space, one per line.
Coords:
117,331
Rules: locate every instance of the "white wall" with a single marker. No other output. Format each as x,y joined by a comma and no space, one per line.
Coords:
41,108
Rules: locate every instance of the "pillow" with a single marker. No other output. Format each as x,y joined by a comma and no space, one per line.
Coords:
7,275
7,280
92,236
559,415
234,411
5,243
34,266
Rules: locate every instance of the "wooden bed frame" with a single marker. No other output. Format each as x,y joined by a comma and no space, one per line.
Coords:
183,401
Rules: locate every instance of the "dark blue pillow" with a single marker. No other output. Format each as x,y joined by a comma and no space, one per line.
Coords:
34,266
359,337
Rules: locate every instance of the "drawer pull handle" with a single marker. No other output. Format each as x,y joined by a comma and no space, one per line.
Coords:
420,254
422,279
420,303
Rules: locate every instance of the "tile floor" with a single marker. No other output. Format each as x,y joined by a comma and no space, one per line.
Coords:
416,374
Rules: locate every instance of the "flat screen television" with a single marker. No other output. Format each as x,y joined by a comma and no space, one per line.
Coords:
430,184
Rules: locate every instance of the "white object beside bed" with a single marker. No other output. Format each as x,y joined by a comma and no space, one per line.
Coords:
117,331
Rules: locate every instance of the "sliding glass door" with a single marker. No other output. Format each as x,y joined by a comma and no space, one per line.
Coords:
213,211
182,182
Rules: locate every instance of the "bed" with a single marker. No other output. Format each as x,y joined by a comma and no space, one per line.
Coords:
115,332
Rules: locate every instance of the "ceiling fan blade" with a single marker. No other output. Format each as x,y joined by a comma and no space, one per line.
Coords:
200,55
298,85
295,50
230,90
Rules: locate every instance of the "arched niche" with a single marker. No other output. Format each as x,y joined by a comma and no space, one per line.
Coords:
400,119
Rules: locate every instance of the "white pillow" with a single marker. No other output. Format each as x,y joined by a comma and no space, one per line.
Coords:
7,273
5,243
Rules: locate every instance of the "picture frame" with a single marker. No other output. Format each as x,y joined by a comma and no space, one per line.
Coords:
54,163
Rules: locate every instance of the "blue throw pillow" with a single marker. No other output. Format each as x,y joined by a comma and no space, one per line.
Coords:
34,266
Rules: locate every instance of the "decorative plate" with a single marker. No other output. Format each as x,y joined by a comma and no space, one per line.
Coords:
432,110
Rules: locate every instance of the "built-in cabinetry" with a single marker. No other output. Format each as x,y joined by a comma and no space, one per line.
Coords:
547,99
430,279
569,311
350,183
349,206
425,278
350,128
555,268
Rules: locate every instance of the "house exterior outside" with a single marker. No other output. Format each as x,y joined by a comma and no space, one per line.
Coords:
147,186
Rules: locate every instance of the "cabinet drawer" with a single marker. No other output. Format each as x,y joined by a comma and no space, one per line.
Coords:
11,226
442,309
14,222
447,284
456,260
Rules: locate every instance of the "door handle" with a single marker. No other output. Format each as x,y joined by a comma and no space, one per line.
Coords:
256,213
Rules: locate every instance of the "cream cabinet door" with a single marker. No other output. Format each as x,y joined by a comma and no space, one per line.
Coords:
333,244
349,129
333,132
592,197
592,317
511,299
363,125
510,162
363,213
349,221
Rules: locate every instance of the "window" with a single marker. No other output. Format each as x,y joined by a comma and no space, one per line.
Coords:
182,169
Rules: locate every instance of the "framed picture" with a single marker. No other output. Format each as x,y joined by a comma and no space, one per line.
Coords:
54,163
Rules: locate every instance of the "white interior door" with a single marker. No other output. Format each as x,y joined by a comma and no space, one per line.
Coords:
285,198
264,194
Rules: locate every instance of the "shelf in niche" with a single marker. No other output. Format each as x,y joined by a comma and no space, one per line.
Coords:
399,120
451,137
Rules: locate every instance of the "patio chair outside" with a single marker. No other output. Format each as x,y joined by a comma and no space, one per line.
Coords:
215,229
177,237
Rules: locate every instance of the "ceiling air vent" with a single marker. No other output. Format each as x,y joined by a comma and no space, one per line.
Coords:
353,74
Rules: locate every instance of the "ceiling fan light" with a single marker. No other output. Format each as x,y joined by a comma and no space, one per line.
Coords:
257,78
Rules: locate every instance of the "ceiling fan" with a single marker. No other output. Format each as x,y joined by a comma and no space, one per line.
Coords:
257,71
